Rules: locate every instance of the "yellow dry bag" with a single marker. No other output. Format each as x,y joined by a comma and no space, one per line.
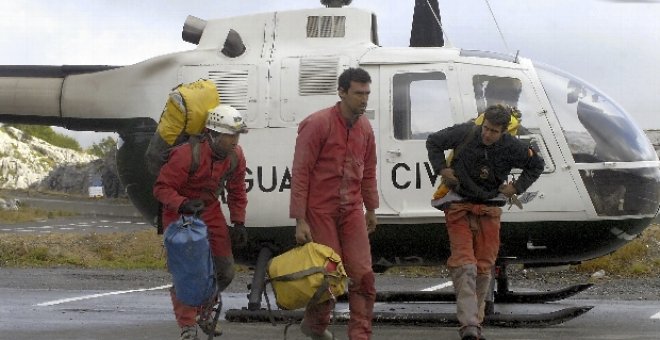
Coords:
184,115
307,275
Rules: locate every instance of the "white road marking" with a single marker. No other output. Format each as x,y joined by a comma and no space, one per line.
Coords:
429,289
438,287
86,297
656,316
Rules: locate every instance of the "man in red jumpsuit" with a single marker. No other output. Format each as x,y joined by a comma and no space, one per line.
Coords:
333,180
219,159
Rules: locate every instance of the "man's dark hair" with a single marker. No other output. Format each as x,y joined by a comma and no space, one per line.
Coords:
352,74
499,115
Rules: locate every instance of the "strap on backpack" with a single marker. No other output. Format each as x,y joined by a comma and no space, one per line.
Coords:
220,192
194,154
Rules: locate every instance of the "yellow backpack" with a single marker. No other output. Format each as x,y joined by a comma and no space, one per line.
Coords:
307,275
184,116
512,129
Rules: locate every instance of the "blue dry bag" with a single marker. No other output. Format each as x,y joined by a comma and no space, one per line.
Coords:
189,260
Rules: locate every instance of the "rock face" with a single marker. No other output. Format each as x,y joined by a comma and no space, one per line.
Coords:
31,163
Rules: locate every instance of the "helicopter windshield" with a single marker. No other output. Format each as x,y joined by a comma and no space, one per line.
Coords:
596,129
600,134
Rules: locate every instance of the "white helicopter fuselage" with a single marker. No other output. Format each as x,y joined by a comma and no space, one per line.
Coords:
289,70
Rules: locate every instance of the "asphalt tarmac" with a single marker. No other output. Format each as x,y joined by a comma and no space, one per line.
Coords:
95,304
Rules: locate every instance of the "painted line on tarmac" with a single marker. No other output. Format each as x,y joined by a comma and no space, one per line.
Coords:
438,287
86,297
429,289
656,316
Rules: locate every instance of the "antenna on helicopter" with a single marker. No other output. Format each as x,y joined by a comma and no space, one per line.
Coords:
335,3
499,30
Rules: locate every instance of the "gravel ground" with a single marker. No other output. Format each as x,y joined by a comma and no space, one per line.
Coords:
606,287
520,280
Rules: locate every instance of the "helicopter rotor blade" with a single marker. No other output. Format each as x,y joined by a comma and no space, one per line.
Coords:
426,26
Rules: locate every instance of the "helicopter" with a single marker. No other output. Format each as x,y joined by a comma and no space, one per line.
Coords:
599,189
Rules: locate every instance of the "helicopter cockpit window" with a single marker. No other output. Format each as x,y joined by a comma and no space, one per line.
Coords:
420,105
602,138
596,129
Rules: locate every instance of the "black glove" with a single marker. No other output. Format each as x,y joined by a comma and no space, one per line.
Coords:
189,207
239,236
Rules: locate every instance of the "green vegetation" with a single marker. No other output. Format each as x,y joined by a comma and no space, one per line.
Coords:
47,134
640,257
139,250
106,145
26,214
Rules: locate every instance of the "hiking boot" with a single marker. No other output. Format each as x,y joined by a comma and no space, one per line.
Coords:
207,327
189,333
470,333
326,335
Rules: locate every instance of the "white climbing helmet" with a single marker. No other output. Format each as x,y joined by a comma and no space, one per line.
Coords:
226,119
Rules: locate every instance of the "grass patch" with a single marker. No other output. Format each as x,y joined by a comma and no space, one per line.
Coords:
640,257
417,271
28,214
138,250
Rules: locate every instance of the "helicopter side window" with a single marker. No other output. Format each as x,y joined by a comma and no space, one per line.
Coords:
420,105
489,90
492,90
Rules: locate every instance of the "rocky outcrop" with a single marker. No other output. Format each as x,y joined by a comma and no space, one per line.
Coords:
31,163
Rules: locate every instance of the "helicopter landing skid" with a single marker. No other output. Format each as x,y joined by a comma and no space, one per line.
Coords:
254,312
540,297
420,319
500,297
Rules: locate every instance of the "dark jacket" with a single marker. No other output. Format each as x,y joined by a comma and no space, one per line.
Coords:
481,169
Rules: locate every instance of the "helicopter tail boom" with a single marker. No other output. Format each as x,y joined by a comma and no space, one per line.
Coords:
32,94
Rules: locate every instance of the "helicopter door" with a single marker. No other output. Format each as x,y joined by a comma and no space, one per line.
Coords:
482,86
419,102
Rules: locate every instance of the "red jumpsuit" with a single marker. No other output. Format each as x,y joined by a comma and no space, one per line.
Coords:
334,175
174,185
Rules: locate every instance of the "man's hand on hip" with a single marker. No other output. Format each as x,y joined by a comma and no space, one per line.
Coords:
449,178
508,189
